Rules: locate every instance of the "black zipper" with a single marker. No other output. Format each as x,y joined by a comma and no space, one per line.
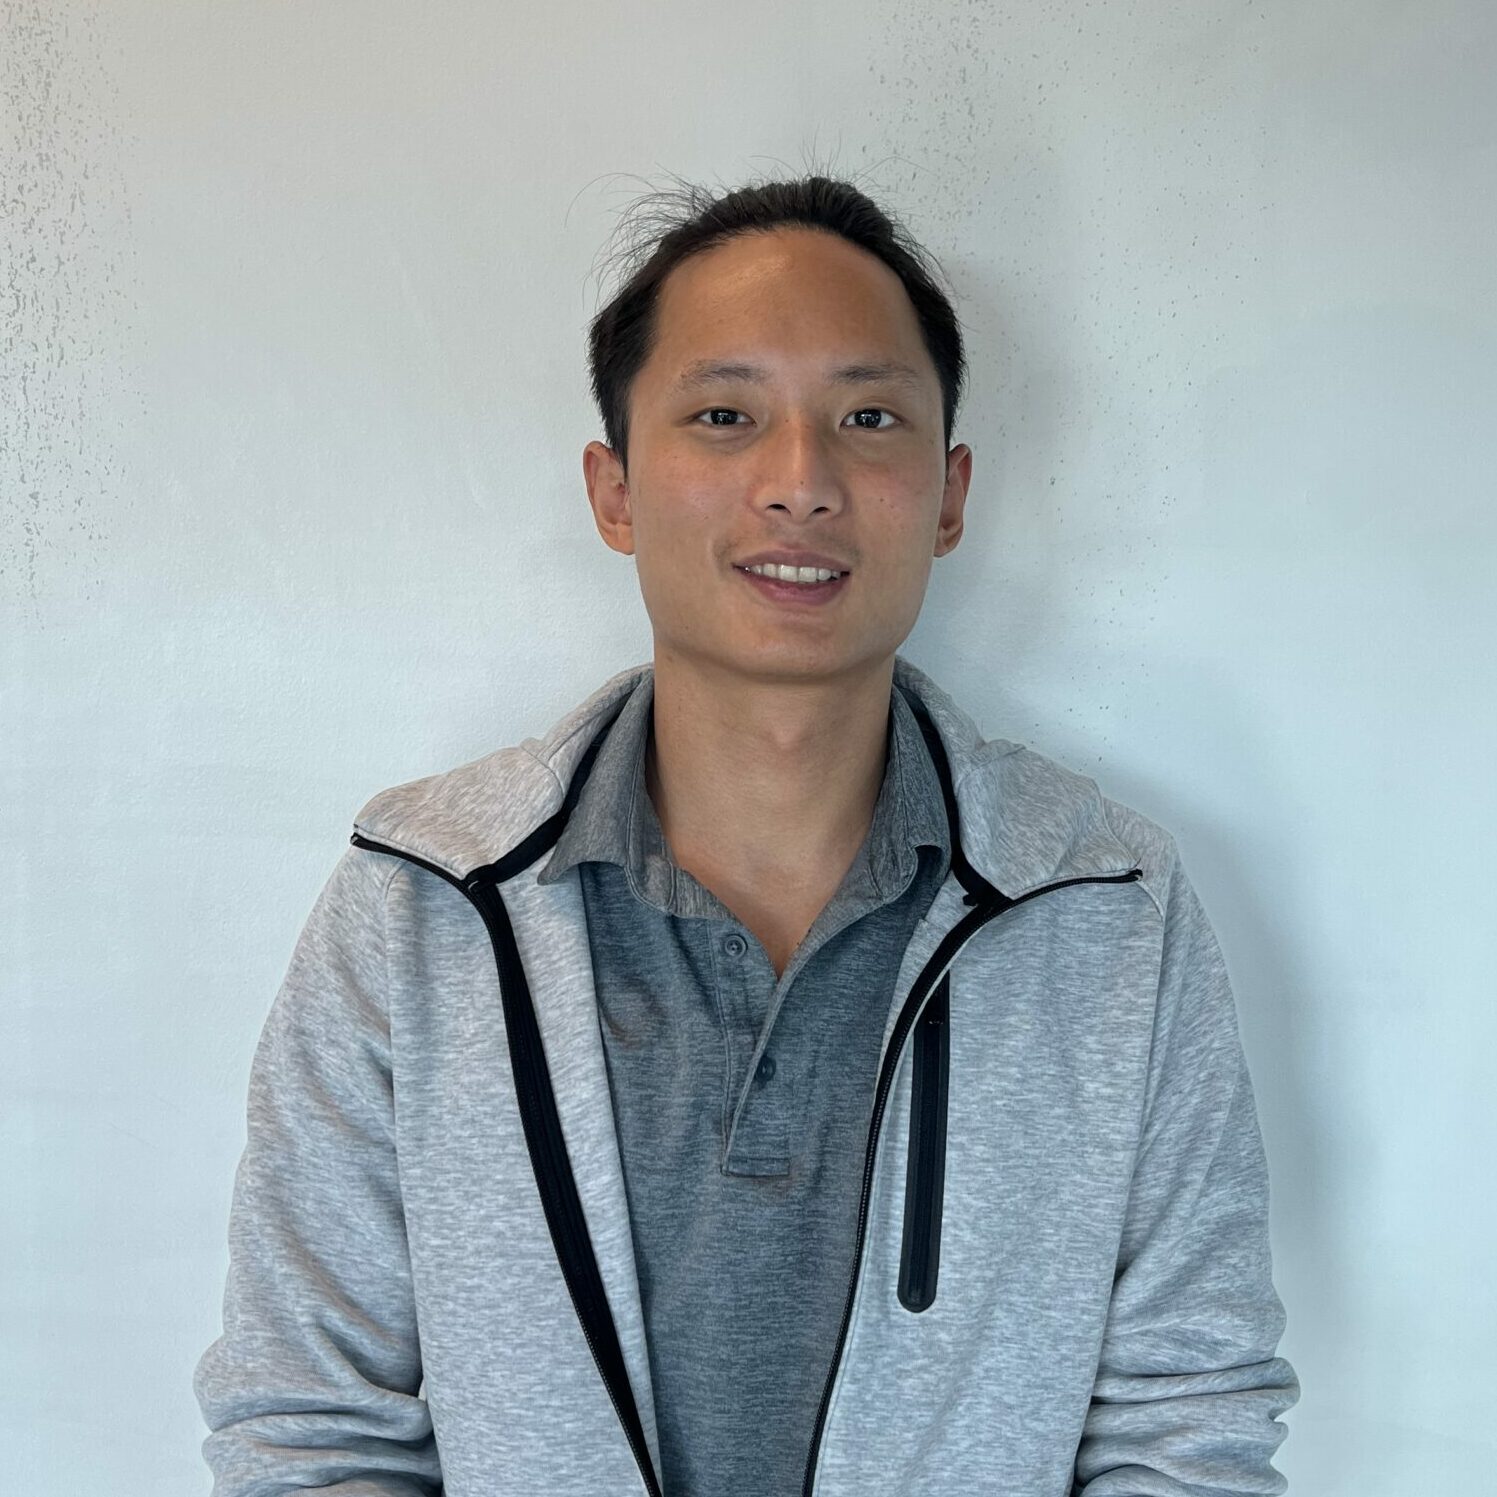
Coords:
925,1170
988,906
543,1136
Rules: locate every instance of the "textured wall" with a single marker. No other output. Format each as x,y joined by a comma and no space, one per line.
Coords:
291,410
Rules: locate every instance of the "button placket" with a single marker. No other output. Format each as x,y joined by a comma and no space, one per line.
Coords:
756,1127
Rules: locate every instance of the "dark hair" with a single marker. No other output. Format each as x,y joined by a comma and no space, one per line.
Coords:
689,220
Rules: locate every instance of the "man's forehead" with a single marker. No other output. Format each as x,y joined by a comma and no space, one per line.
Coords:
734,278
721,322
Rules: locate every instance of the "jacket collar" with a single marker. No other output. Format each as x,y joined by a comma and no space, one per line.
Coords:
1023,820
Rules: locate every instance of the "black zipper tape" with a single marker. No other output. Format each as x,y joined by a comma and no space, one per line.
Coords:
925,1170
987,906
548,1155
537,1104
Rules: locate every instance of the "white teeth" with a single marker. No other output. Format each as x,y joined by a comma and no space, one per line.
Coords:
794,574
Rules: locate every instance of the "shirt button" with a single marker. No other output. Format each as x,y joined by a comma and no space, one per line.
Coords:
735,945
766,1068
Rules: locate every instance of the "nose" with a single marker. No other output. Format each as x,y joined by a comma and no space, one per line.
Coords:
800,474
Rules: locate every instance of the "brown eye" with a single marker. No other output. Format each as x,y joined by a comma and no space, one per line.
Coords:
719,410
873,410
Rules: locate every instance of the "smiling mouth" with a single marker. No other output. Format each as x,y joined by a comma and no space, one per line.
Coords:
783,590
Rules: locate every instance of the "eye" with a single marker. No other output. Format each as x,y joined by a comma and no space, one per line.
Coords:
718,410
874,410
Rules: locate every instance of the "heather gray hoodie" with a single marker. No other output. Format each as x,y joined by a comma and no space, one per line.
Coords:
1062,1284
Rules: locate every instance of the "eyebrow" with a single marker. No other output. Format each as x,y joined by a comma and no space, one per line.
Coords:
707,372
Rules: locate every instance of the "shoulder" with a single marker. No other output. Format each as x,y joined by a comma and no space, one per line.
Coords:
1153,846
475,812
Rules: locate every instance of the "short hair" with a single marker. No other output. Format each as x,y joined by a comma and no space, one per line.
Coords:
689,220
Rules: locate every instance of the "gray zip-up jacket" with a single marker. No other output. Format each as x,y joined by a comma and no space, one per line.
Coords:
1062,1282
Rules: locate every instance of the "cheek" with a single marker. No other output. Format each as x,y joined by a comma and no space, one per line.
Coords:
673,540
906,519
683,523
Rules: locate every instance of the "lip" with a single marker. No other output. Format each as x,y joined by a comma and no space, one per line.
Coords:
796,594
793,559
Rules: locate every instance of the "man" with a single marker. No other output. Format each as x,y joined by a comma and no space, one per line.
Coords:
761,1083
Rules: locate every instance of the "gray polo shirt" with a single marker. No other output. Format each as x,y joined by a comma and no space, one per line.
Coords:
742,1103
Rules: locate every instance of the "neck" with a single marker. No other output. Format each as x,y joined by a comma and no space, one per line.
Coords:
766,783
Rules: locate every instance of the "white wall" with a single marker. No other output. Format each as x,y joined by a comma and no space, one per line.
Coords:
290,433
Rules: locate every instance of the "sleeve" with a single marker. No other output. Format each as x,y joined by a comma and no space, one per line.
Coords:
1188,1387
314,1381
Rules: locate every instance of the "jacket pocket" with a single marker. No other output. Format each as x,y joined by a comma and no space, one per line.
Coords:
925,1171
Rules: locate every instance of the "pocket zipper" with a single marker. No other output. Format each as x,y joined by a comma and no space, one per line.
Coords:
925,1172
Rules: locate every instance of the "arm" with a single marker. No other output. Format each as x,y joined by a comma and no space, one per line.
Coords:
314,1380
1188,1389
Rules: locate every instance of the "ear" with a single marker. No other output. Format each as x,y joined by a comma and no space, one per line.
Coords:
953,498
608,493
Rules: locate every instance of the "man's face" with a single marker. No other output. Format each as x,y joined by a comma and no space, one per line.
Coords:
783,453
